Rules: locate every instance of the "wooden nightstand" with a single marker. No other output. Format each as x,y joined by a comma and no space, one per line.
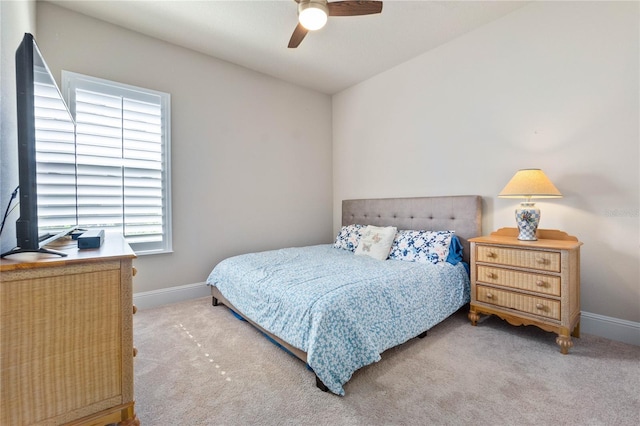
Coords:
528,282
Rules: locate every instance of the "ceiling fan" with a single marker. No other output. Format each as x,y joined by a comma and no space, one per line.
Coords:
312,14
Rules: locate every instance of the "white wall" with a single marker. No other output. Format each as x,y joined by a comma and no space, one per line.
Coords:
16,18
553,85
247,173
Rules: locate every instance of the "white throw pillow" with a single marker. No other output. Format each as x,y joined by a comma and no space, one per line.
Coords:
376,241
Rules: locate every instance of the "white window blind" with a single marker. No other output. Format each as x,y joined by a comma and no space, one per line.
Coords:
55,156
122,159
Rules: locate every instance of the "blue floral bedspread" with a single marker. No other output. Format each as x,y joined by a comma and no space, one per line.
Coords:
341,309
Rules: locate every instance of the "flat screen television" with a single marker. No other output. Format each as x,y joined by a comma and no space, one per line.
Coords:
42,112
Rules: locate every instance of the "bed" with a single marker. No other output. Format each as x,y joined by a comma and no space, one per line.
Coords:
336,307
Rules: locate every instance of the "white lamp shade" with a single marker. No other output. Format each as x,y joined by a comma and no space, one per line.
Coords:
312,14
530,183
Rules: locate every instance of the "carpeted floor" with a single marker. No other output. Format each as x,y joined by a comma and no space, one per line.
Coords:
199,365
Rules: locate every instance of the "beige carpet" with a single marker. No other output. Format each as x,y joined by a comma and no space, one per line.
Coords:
199,365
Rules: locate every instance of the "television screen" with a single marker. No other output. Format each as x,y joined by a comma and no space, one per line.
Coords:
46,145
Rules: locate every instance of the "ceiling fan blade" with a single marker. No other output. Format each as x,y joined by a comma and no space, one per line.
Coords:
354,8
297,36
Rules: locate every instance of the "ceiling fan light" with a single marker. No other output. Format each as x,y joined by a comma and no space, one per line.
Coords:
313,15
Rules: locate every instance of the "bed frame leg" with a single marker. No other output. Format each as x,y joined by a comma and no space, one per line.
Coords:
422,335
321,385
214,301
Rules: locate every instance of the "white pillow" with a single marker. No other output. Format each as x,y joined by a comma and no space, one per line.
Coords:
376,241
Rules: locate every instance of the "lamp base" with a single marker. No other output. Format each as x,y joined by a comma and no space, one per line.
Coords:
527,218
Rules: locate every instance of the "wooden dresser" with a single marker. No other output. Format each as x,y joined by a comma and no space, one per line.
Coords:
528,282
66,336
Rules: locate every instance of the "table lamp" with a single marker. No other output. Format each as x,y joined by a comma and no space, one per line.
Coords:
528,184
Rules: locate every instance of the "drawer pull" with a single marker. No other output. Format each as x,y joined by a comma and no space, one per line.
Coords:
542,261
135,309
541,307
489,296
491,275
490,254
135,351
134,271
540,283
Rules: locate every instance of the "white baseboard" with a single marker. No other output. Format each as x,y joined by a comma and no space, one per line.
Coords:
598,325
165,296
610,328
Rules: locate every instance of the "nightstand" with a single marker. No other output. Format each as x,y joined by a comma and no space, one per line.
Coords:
528,282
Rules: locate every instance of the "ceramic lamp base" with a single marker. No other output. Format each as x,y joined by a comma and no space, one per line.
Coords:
527,217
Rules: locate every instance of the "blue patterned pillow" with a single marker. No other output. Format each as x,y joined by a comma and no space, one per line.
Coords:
421,246
349,237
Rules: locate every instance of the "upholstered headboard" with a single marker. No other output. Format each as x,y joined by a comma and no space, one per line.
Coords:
459,213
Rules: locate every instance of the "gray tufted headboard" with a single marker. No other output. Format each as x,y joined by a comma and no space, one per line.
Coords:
459,213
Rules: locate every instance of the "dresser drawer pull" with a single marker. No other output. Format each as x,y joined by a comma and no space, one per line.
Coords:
490,254
542,261
541,307
135,309
540,283
491,275
489,296
135,352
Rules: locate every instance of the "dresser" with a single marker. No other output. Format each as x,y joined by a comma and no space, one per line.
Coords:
528,282
66,330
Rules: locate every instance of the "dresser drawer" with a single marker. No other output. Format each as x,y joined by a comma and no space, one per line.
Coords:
532,259
539,283
522,302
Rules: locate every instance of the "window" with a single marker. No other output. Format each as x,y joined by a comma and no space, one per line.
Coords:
122,159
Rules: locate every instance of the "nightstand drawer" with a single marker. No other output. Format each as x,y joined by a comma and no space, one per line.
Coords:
522,302
533,259
545,284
